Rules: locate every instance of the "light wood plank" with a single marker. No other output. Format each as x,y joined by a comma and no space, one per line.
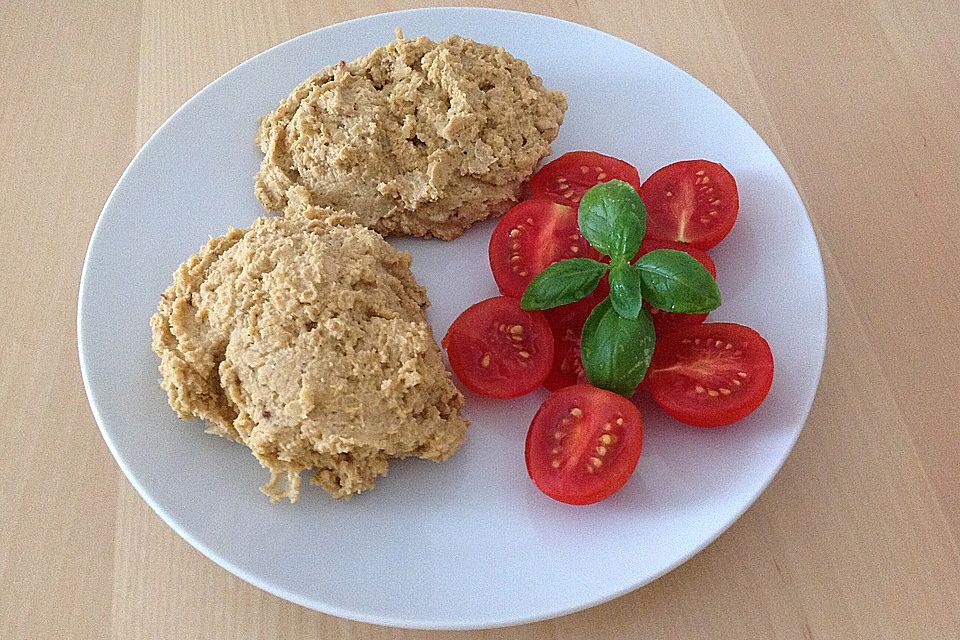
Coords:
67,134
879,183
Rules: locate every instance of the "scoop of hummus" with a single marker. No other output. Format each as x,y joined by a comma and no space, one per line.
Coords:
424,138
305,339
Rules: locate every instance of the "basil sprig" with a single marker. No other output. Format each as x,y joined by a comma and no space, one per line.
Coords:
676,281
626,288
618,337
562,283
616,351
613,219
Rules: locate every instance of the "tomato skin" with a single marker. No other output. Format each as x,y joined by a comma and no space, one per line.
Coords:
567,178
583,444
667,321
712,374
530,237
692,201
499,350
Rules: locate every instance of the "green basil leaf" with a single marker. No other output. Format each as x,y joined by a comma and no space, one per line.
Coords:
625,290
562,283
674,281
616,351
613,219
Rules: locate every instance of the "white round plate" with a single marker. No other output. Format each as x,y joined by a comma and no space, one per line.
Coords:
470,542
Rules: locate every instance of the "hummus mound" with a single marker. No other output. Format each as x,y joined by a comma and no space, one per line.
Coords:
306,340
424,138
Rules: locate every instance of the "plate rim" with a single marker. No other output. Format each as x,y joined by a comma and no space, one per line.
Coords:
409,623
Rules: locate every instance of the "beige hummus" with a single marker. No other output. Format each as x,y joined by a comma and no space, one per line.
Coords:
306,340
419,137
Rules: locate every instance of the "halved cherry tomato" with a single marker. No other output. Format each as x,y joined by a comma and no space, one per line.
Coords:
499,350
566,322
693,201
567,178
711,374
666,321
567,366
530,237
583,444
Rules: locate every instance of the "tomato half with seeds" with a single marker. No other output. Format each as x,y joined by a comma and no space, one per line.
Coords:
666,321
567,178
530,237
711,374
692,201
567,366
583,444
566,323
499,350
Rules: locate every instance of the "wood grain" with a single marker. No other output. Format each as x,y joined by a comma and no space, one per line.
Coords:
856,537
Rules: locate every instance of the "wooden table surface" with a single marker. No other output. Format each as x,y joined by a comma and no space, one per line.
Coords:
857,537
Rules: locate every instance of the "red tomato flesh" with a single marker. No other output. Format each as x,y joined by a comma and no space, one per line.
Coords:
567,178
583,444
666,321
566,322
530,237
711,374
499,350
692,201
